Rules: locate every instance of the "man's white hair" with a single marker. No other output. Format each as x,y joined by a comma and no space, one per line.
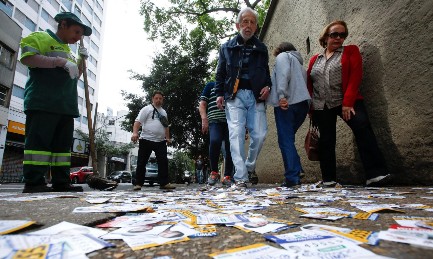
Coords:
244,10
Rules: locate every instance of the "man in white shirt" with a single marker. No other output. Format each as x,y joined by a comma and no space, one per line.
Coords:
154,137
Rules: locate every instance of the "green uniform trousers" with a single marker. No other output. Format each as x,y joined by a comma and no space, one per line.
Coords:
48,144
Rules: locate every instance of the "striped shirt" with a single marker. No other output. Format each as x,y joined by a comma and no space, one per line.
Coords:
326,78
214,114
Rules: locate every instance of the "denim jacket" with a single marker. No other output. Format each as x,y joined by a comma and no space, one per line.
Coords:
230,55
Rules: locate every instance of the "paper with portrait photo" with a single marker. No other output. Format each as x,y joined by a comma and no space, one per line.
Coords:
259,225
144,230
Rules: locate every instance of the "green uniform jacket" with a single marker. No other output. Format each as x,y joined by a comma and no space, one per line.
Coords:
49,89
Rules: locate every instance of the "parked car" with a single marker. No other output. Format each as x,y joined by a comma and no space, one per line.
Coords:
80,174
151,175
120,176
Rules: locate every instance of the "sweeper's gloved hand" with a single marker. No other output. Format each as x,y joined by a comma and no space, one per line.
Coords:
83,52
72,69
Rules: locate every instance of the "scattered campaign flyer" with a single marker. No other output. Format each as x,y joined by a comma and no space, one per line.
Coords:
9,226
255,251
215,218
309,244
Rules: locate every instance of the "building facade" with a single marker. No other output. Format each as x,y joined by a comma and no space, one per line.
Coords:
38,15
395,41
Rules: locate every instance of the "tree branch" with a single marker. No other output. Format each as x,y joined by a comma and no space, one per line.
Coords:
224,9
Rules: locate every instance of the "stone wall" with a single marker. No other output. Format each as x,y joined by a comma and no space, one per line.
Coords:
395,38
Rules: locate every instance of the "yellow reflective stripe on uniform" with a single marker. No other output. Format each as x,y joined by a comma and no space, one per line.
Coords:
36,157
61,159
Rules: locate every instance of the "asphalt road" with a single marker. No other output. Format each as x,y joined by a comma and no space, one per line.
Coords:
53,211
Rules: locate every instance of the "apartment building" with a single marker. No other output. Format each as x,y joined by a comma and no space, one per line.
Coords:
38,15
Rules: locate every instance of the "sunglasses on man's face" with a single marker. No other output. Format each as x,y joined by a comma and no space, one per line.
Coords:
334,35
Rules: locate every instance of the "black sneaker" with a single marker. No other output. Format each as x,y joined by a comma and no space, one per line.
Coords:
37,188
253,178
102,184
67,188
289,184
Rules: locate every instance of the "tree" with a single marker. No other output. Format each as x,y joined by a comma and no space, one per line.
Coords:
190,30
180,73
215,17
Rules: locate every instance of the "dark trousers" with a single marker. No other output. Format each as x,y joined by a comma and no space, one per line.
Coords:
145,148
48,144
371,157
219,132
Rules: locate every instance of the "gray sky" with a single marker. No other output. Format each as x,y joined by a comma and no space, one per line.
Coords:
124,47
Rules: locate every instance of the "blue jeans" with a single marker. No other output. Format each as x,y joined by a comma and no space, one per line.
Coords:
288,122
371,157
219,133
244,112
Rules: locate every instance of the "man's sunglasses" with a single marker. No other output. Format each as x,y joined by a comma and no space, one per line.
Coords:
334,35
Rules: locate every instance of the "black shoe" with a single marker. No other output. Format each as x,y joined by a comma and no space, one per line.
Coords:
102,184
289,184
253,178
67,188
36,188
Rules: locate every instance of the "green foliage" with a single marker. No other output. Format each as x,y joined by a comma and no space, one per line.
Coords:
190,30
215,17
179,164
180,73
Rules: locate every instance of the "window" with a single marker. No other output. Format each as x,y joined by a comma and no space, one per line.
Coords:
97,20
111,122
22,69
6,57
33,4
84,120
29,24
80,2
7,8
81,84
54,4
96,33
18,91
67,4
3,93
77,11
91,74
99,6
93,60
94,46
91,91
87,6
47,17
85,20
78,119
80,100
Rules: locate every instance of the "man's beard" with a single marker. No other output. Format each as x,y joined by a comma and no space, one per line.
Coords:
245,37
